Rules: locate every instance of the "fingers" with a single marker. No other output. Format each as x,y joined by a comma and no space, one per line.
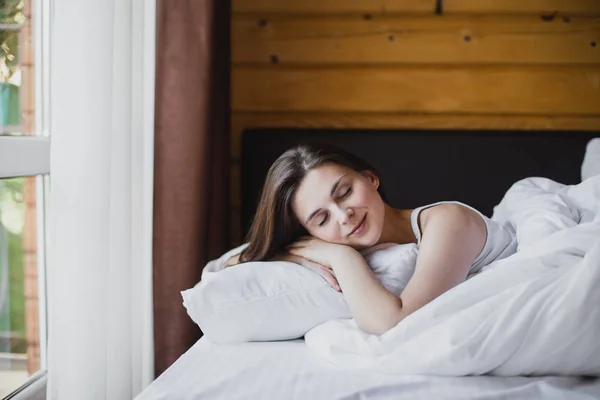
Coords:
299,252
329,278
298,244
289,257
325,272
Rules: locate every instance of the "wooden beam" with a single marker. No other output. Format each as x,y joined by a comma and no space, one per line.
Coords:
498,90
417,39
332,6
546,7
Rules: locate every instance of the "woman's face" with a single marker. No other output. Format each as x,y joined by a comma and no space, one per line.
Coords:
339,205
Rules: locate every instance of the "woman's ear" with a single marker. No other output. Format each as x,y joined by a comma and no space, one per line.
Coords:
373,179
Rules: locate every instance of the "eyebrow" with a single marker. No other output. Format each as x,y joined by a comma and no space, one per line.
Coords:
333,189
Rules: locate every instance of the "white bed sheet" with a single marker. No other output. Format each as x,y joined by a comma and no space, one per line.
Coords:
290,371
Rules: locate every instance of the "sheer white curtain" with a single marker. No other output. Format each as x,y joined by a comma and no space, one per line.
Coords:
100,232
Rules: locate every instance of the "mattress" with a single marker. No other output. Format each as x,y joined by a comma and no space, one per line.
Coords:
289,371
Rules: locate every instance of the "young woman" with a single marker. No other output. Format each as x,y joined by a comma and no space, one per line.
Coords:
320,205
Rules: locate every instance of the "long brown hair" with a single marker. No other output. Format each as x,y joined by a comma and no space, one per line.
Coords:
275,225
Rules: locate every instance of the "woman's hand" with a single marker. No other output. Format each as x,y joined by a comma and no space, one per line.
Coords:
325,272
319,251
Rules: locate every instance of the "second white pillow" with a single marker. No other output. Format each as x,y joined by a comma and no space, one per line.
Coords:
277,300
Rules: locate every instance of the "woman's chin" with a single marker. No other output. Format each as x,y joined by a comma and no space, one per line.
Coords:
364,243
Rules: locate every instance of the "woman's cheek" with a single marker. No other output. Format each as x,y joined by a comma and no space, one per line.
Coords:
332,234
362,197
322,233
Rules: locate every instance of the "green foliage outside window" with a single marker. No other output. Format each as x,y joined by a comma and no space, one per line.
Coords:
12,311
11,13
11,16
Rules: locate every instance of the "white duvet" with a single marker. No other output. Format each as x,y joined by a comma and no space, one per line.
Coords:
536,312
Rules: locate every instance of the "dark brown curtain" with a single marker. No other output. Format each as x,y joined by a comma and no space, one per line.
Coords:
191,161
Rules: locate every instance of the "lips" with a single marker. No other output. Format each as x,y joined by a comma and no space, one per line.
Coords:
359,225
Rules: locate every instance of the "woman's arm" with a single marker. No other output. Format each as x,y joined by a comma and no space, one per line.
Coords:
371,304
374,308
326,273
452,238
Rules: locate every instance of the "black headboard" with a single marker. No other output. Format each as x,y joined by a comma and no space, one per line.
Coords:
424,166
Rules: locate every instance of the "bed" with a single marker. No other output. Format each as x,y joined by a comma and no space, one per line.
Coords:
286,370
418,167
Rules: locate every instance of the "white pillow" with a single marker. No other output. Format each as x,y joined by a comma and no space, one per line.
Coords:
591,159
276,300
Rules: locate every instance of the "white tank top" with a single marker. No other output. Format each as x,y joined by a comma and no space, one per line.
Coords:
500,242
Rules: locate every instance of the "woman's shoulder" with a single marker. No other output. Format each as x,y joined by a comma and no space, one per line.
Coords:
233,260
446,212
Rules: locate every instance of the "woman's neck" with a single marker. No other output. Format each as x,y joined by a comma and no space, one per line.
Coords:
397,227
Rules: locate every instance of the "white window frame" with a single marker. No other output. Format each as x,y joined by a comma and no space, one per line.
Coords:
23,156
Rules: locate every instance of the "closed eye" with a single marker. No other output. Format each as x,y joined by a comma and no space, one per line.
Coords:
346,193
324,220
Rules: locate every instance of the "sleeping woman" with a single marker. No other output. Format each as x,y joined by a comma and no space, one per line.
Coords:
321,205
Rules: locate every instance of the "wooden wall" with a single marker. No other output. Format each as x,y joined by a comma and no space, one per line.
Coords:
496,64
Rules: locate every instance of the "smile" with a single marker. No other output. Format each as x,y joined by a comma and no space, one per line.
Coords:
360,227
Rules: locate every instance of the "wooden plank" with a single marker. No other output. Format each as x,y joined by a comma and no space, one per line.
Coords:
387,7
425,39
549,7
241,121
332,6
509,90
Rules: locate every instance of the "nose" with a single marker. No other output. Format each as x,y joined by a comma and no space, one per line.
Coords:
343,215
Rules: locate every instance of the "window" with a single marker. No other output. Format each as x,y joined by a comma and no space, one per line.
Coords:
24,174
